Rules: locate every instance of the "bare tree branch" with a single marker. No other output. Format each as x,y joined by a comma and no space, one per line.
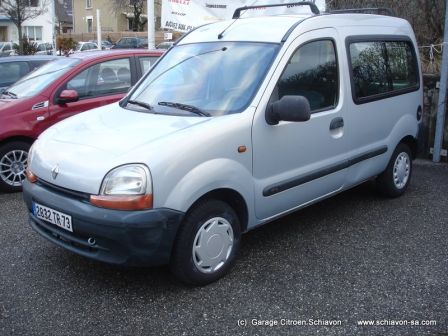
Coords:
19,11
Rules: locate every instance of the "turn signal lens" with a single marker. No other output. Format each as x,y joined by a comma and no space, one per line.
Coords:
138,202
30,176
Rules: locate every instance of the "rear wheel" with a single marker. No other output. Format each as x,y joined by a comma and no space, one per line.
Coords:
394,181
13,162
206,244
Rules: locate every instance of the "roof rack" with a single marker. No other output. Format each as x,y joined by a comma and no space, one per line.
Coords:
379,11
313,7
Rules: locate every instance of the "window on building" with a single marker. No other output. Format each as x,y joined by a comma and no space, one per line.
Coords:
33,33
89,25
33,3
88,3
311,72
382,68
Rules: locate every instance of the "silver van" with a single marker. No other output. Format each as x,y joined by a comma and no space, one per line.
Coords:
240,123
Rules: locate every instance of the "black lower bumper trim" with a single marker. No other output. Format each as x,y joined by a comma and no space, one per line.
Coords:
132,238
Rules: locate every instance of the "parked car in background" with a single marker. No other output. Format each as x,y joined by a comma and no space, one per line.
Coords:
57,90
44,48
105,45
15,67
165,45
85,46
131,43
7,48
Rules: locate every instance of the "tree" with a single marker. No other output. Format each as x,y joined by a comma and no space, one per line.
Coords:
29,48
424,15
137,7
18,11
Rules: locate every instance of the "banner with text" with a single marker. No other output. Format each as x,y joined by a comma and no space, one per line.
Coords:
184,15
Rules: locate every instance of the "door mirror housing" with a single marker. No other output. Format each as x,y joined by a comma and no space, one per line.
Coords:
68,96
288,108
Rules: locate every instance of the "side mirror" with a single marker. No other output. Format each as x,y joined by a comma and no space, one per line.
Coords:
68,96
288,108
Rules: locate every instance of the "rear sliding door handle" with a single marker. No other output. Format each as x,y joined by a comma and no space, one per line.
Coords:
336,123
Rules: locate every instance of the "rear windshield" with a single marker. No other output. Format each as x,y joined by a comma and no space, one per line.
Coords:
38,80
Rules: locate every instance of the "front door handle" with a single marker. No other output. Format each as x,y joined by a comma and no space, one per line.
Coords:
336,123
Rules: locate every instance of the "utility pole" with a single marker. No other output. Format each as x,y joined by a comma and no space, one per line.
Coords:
151,24
98,30
53,24
441,106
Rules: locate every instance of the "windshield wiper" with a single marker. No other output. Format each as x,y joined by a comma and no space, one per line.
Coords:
10,94
185,107
141,104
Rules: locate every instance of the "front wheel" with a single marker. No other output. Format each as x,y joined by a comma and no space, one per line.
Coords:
394,181
206,244
13,162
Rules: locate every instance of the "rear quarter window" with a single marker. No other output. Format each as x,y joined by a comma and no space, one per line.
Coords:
382,68
11,72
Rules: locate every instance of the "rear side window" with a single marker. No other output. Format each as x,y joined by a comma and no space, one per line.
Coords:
147,62
312,72
105,78
11,72
381,69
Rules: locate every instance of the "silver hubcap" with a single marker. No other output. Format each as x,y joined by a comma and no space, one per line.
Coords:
12,167
212,245
402,169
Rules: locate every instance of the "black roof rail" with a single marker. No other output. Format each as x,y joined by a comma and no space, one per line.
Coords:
379,11
313,7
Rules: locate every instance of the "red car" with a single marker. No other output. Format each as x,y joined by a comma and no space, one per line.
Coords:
57,90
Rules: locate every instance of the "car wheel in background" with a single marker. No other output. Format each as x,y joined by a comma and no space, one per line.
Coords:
13,163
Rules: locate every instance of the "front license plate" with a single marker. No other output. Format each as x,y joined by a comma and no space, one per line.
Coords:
52,216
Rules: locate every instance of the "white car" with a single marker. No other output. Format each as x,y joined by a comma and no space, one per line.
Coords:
85,46
240,123
45,48
7,48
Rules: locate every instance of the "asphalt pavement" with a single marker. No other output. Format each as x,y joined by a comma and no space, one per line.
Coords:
354,257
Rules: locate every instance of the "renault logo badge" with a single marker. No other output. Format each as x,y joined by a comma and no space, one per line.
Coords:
55,172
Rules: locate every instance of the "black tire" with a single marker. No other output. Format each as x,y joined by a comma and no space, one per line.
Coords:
7,181
387,183
184,261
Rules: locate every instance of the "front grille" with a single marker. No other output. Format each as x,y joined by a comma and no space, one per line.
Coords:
63,191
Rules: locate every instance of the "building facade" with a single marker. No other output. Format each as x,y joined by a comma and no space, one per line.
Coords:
39,29
112,20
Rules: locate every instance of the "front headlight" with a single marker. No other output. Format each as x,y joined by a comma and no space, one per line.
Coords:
126,187
127,180
28,173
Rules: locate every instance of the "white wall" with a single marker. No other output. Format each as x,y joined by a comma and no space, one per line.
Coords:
45,21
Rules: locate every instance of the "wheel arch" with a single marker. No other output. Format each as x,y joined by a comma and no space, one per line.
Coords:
21,138
412,143
233,198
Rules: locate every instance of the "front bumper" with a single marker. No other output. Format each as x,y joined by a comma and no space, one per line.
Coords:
132,238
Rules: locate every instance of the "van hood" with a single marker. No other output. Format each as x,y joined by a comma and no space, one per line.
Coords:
117,131
87,146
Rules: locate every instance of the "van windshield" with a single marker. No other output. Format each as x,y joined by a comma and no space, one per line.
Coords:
39,79
211,78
